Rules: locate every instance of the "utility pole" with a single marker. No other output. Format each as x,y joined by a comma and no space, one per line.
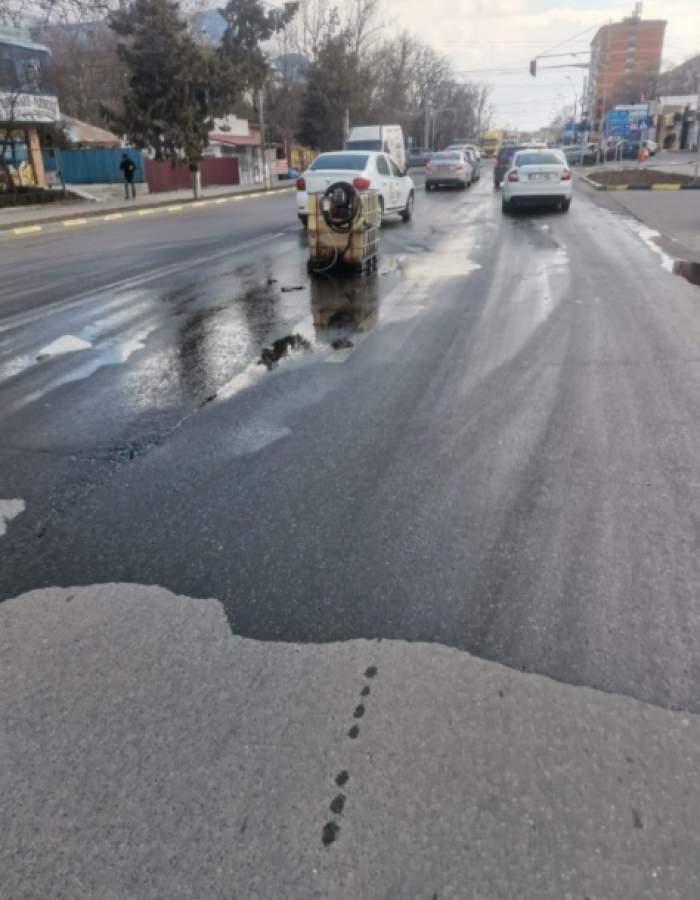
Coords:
426,126
261,108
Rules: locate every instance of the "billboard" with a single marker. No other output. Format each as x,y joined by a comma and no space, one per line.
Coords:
627,121
28,109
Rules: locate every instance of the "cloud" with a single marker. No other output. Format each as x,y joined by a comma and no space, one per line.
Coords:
488,34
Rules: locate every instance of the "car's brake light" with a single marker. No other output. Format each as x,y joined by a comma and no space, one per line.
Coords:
566,175
301,184
361,183
513,175
458,168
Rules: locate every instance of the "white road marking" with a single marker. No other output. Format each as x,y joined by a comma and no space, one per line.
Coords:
68,343
9,509
152,275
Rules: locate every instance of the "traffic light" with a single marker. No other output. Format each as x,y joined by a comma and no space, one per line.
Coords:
533,68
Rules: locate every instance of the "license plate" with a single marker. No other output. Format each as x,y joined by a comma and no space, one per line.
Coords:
539,176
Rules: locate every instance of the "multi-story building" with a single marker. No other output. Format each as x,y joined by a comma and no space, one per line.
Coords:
26,101
625,61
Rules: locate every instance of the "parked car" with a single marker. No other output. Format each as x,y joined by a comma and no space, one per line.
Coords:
503,161
418,157
381,138
475,163
537,177
577,154
366,171
448,167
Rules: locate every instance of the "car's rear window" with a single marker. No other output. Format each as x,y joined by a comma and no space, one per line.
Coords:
537,158
505,154
447,155
339,161
365,145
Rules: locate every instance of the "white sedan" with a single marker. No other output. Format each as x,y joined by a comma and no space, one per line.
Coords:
366,170
537,177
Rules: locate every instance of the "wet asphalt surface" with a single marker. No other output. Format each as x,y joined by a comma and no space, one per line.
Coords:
490,444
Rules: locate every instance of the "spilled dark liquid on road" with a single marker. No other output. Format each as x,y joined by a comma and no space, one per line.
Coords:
688,270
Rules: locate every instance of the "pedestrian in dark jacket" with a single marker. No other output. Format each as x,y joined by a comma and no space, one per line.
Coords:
128,170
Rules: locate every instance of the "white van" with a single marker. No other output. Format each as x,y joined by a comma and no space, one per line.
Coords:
380,138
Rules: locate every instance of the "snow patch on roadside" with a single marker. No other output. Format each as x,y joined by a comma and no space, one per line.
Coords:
9,509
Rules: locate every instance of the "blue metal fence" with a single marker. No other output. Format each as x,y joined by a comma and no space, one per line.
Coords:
98,166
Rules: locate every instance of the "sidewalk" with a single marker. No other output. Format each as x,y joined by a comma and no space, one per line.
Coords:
677,163
673,215
57,212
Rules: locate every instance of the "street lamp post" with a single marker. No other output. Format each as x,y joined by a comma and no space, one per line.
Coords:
576,134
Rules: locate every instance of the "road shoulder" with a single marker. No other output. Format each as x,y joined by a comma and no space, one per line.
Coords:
150,752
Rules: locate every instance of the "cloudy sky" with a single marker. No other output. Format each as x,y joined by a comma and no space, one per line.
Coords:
486,35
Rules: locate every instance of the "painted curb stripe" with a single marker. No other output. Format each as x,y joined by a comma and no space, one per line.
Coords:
112,217
27,229
641,187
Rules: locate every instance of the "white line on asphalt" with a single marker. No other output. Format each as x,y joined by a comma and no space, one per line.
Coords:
125,283
71,223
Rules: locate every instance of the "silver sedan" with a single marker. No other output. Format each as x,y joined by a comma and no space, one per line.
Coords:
450,167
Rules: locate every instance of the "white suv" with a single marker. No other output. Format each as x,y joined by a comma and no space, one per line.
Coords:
366,170
537,177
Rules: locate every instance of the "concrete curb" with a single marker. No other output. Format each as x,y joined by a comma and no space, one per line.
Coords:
33,226
596,185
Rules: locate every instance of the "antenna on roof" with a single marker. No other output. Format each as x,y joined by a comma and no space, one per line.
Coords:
638,10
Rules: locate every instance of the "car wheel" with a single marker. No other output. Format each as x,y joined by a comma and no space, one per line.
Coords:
505,205
565,205
407,213
428,187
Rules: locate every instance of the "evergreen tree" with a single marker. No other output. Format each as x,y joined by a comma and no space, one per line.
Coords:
249,25
175,87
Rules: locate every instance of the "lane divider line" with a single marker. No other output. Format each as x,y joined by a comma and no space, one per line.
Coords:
146,212
72,223
112,216
178,207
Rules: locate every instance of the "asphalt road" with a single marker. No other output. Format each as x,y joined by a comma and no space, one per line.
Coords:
503,461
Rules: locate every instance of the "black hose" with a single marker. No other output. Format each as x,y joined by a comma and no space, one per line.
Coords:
345,214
